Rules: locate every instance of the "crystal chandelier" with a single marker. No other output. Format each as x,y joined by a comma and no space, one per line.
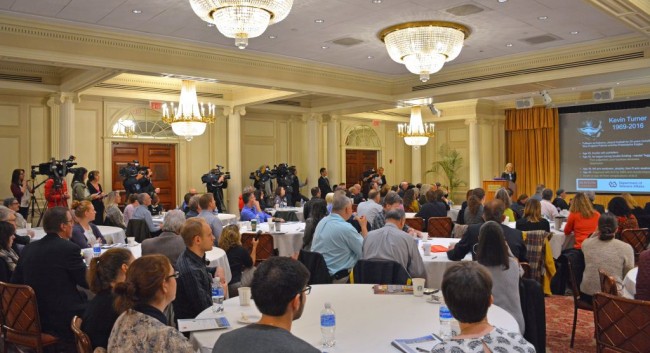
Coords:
188,118
241,19
415,133
424,46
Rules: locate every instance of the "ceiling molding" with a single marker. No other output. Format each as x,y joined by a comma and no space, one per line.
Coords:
635,13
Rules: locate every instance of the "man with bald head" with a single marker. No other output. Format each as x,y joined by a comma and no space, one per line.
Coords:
492,211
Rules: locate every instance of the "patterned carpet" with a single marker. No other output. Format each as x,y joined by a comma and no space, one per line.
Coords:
559,322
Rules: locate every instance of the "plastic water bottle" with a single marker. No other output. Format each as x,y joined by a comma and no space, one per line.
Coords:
97,249
328,325
217,294
445,322
302,203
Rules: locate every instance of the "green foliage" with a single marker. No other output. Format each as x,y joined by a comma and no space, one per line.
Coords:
450,162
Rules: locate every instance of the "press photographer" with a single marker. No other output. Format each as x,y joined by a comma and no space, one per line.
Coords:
293,187
216,180
367,178
56,188
137,179
262,178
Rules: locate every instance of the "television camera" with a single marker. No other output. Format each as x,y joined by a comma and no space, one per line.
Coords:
212,177
55,169
132,169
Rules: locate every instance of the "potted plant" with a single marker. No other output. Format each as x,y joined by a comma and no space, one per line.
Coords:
450,162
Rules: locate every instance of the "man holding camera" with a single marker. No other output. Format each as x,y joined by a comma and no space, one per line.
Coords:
295,185
56,193
216,188
137,179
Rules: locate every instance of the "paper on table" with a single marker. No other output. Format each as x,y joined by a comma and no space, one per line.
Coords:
438,248
185,325
417,345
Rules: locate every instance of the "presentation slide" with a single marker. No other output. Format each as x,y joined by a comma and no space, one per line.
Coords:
605,151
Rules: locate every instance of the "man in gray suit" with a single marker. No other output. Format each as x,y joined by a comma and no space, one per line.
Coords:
169,242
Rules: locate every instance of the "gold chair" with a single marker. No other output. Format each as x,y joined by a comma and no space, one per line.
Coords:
622,325
82,341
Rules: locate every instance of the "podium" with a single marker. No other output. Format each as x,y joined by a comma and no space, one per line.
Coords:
492,186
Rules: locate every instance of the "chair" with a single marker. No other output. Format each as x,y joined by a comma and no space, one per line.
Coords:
265,247
378,271
21,324
354,207
315,263
607,282
415,223
527,271
535,249
440,227
459,231
622,325
531,297
82,341
138,229
577,303
637,238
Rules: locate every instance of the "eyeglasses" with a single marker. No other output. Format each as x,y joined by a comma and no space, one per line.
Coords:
307,290
175,275
15,203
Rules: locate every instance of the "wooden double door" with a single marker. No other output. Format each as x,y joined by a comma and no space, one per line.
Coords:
160,158
357,162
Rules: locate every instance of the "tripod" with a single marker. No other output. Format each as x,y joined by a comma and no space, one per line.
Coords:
33,203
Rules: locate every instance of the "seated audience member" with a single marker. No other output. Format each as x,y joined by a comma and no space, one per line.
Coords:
626,220
130,208
592,197
261,199
315,195
85,233
186,201
422,199
155,208
103,274
392,201
519,205
602,251
194,284
318,212
371,208
169,242
492,252
9,216
356,195
637,211
382,192
280,200
410,201
338,241
643,277
193,206
532,219
150,286
403,186
13,204
53,267
502,194
247,189
559,201
549,211
8,256
538,192
142,212
329,198
279,305
474,211
432,208
250,210
493,212
583,220
461,214
114,216
467,288
391,243
208,207
241,262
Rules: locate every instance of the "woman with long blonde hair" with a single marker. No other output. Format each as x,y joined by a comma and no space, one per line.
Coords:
241,263
113,215
532,219
583,219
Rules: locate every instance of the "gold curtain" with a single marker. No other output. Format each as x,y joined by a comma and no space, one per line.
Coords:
533,147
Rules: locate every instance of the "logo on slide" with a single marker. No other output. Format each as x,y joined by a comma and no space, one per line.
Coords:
612,184
590,130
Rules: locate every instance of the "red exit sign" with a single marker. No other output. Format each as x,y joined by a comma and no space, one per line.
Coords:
155,105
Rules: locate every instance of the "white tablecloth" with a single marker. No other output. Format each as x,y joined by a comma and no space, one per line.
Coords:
289,240
437,263
225,218
365,322
629,283
297,210
452,213
111,234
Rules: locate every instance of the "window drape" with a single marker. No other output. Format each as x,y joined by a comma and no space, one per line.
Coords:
533,147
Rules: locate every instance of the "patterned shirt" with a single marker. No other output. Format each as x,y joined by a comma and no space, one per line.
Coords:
137,332
496,340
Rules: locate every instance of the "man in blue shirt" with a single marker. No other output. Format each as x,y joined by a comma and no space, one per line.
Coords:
337,239
250,211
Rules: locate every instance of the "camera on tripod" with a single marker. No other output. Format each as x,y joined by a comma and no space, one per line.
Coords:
54,169
264,174
212,177
132,169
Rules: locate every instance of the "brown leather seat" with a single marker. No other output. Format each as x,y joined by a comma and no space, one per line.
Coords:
622,325
265,247
440,227
637,238
21,324
82,341
607,282
577,303
415,223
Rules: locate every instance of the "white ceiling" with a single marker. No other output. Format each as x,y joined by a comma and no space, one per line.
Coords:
299,37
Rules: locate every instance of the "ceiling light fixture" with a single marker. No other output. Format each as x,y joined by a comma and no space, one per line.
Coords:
137,12
509,45
376,1
188,118
319,21
574,32
502,1
542,18
415,133
424,46
242,19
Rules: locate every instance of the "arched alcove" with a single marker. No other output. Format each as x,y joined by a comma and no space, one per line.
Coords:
362,136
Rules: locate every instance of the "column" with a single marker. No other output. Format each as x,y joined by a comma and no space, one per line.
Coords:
333,151
234,157
416,165
474,158
313,138
62,107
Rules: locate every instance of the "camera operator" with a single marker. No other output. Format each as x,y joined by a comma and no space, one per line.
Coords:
216,181
56,188
367,178
263,178
293,189
137,179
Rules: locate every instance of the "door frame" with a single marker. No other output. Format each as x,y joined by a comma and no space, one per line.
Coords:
345,162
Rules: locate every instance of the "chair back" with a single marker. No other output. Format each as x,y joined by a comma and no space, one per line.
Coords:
265,248
459,231
82,341
637,238
354,207
315,263
535,250
575,289
416,223
440,227
622,325
377,271
526,267
607,282
138,229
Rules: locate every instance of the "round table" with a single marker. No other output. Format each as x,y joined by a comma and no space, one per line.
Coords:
225,218
365,322
437,263
629,283
112,235
282,212
288,241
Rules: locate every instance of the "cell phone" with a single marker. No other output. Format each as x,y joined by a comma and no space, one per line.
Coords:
431,291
